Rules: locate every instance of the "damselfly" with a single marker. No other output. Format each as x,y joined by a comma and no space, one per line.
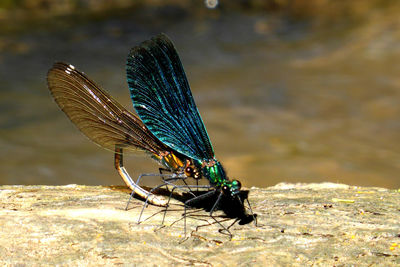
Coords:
170,128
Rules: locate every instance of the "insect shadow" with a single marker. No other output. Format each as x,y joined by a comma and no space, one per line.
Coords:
194,202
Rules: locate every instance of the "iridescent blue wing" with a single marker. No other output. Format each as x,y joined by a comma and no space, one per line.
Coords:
161,96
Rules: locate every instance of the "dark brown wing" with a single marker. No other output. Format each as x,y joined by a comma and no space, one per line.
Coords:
97,114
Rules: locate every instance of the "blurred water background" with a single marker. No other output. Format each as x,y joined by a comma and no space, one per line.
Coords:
289,90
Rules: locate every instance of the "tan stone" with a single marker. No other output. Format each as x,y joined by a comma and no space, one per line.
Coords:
298,225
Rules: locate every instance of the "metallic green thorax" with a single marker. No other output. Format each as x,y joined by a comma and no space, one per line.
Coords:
216,174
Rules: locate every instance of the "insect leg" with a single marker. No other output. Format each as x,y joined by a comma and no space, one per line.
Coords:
211,215
166,183
194,200
252,213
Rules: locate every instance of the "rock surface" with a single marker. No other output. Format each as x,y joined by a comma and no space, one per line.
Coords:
298,225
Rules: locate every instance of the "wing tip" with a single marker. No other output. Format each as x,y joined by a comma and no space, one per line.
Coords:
155,41
61,66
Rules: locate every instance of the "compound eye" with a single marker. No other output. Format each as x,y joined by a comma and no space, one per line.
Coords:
189,171
236,184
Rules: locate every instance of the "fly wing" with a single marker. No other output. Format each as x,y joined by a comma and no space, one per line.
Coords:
97,114
161,96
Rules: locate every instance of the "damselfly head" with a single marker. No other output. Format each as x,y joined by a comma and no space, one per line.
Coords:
231,188
235,187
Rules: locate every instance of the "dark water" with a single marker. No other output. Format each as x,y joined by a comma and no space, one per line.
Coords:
281,101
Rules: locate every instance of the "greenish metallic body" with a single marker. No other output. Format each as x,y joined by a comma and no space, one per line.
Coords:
214,172
216,175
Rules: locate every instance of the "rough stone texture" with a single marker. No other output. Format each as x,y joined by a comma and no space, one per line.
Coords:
298,224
